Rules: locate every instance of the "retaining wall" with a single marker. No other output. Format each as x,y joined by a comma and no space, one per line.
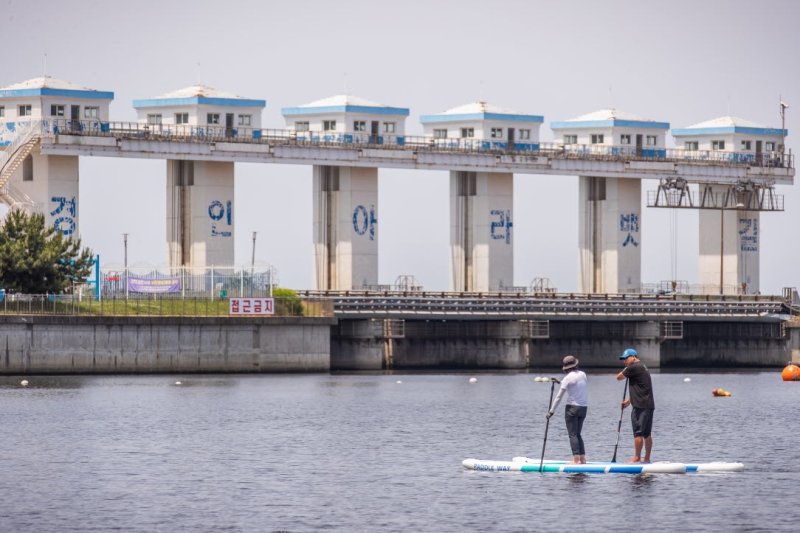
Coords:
101,345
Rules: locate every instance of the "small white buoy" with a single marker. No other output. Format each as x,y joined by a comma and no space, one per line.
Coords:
537,379
473,380
398,381
687,380
178,383
24,382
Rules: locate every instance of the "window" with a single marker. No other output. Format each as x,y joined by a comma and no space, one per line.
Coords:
769,146
691,145
717,145
388,127
524,135
212,118
2,111
56,110
154,120
359,125
624,139
440,134
91,112
651,140
329,125
570,139
301,126
497,133
27,169
747,145
245,120
597,138
467,132
181,118
25,111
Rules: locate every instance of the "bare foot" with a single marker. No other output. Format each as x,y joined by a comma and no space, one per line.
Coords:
634,460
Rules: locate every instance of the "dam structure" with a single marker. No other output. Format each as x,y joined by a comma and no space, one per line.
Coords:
728,168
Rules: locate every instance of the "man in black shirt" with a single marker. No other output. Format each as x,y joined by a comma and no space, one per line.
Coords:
641,387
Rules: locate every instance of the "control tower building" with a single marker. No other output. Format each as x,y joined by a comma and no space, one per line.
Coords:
346,197
46,184
730,220
200,207
481,203
610,209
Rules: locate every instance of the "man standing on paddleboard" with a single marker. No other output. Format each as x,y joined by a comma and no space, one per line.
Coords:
574,384
641,387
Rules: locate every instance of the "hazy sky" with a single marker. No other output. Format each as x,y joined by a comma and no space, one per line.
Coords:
681,62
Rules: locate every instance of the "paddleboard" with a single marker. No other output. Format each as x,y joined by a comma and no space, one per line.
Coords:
566,468
714,466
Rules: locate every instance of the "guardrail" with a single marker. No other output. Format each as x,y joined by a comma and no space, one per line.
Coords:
158,305
359,140
520,306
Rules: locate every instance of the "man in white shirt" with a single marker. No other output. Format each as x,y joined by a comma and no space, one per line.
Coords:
575,386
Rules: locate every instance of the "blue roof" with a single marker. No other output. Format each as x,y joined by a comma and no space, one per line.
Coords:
49,91
318,110
465,117
612,123
198,100
729,129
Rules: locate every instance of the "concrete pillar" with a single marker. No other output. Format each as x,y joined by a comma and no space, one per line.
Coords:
200,217
481,231
345,227
609,235
729,250
48,184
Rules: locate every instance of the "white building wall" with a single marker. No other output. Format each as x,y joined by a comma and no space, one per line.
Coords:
345,122
483,129
198,115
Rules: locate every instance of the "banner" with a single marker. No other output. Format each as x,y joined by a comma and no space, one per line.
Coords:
252,306
160,285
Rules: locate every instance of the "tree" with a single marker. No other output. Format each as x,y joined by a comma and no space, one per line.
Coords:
37,259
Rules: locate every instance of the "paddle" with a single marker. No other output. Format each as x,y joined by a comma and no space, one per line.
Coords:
553,382
619,425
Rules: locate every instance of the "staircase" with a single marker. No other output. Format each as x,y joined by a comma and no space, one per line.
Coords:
28,136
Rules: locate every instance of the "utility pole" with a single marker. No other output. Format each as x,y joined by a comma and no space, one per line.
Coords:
125,245
784,106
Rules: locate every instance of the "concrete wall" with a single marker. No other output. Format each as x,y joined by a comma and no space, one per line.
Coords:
99,345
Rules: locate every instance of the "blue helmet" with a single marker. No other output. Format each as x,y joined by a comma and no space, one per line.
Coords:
630,352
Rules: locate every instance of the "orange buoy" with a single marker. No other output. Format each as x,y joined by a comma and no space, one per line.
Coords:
791,373
720,392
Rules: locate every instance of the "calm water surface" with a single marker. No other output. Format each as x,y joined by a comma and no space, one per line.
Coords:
366,453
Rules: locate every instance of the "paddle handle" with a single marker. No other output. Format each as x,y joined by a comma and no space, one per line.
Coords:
553,382
619,424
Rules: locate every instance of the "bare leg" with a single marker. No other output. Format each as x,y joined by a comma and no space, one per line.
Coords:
576,460
637,449
648,445
582,459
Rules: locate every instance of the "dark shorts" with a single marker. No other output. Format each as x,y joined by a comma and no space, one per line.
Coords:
642,422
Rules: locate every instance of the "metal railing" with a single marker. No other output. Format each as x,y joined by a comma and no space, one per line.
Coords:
520,306
159,305
360,140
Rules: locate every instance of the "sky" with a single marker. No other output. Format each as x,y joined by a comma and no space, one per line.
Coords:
681,62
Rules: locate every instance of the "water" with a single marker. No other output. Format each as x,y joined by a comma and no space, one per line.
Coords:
365,453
